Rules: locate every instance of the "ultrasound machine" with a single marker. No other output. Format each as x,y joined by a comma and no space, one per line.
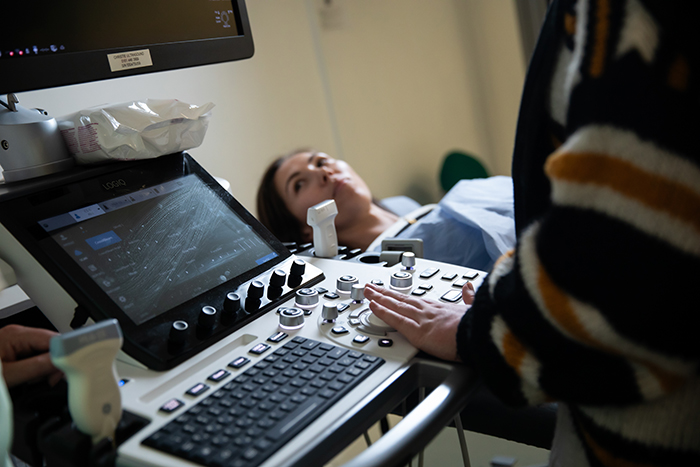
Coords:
237,349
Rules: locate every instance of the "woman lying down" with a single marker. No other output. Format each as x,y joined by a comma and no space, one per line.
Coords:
471,226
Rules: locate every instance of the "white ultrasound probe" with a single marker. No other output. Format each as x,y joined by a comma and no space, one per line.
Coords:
322,219
87,357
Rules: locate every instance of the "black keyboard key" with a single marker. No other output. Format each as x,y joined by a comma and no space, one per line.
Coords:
336,353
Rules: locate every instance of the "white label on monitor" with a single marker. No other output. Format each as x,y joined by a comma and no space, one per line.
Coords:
129,60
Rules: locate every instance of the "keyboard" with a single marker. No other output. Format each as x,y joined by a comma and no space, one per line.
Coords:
258,411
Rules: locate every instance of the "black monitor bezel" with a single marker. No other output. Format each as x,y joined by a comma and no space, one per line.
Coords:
63,69
21,216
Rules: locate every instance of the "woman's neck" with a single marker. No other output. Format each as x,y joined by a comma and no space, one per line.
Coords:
365,230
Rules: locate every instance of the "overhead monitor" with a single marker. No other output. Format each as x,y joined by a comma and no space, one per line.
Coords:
50,44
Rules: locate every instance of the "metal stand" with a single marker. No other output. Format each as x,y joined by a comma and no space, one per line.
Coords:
453,386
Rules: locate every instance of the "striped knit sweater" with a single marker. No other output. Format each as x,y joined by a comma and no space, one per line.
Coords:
594,307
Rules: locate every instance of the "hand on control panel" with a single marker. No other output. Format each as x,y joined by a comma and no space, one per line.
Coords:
428,325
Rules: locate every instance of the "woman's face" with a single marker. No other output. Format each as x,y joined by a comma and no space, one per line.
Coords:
307,178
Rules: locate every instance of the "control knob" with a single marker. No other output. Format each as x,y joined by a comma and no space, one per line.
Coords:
401,280
307,297
329,312
178,332
408,261
344,283
357,293
296,271
277,280
291,318
207,318
232,303
256,290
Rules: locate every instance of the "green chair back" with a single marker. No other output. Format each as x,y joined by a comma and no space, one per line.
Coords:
459,166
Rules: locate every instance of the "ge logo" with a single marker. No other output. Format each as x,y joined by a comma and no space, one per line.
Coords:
5,145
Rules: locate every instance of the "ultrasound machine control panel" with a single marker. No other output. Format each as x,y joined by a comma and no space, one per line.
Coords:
236,351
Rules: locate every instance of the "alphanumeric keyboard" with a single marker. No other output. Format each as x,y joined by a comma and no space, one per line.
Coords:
257,412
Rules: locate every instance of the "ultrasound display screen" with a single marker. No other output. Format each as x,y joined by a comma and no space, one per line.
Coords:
156,248
39,28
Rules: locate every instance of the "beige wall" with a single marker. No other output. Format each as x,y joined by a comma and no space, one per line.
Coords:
390,85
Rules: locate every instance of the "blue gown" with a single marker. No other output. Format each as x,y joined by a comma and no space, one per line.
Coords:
471,226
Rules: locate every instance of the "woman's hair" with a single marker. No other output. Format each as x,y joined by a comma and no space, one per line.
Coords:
272,212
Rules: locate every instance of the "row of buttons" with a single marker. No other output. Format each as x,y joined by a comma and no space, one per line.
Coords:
451,296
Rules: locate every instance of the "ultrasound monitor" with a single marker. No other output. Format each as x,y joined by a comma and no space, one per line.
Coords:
49,44
150,243
155,248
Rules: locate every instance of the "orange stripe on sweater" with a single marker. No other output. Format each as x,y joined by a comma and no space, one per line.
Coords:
508,254
600,38
668,381
513,351
559,307
654,191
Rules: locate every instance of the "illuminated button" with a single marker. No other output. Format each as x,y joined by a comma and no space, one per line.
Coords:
259,349
378,282
239,362
171,406
218,376
277,337
332,296
360,339
339,330
385,342
197,389
342,307
452,296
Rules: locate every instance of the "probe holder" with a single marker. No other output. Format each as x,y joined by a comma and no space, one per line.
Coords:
30,143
